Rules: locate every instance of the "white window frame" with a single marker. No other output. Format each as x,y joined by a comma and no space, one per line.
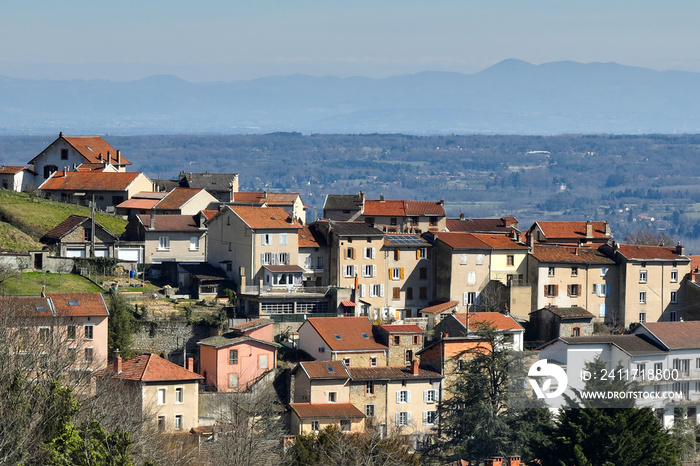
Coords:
369,270
373,361
429,418
179,422
430,396
642,297
163,243
479,259
179,395
315,426
266,239
674,276
471,278
368,253
376,291
422,253
370,410
642,276
89,332
396,273
403,418
604,271
463,259
349,271
403,396
674,297
194,243
162,396
551,271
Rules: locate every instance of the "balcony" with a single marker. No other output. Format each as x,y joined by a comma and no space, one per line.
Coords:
284,289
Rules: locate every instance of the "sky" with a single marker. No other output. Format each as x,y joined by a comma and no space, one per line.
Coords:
229,40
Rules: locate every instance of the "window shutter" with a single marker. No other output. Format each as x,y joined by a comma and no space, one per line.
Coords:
391,273
398,398
401,273
465,298
408,414
578,291
425,398
427,253
408,397
397,254
556,290
417,254
607,289
262,258
398,420
425,417
381,291
362,291
373,253
601,310
546,289
568,289
374,270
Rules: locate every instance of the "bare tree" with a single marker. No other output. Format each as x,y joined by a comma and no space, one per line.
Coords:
648,238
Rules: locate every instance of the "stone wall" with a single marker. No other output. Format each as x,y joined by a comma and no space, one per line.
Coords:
169,338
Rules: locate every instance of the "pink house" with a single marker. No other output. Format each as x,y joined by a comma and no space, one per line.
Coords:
237,359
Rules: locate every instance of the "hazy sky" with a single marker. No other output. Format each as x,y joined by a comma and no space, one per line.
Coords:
207,40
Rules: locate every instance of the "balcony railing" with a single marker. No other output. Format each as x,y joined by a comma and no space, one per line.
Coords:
285,289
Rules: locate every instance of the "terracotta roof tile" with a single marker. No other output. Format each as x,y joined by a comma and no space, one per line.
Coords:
79,304
209,214
177,198
139,204
325,369
326,410
307,238
28,306
271,199
349,329
495,319
153,368
570,254
439,308
89,181
384,208
391,372
571,230
499,241
170,222
676,335
6,169
424,208
639,252
262,218
403,328
462,240
91,147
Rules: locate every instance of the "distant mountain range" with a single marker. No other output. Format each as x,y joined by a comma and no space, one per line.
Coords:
511,97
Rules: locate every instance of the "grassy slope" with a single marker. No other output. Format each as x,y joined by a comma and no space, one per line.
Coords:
14,240
35,216
31,283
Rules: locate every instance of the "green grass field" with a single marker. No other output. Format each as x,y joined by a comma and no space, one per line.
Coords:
30,284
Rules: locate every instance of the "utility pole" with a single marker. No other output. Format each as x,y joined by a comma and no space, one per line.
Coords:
92,228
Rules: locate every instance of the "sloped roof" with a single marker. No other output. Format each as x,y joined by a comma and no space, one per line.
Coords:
462,240
640,252
574,312
90,147
153,368
89,181
439,308
169,222
212,182
349,329
138,204
575,230
265,218
326,410
271,199
324,369
26,306
351,202
392,372
402,328
79,304
631,344
353,229
209,213
232,338
495,319
177,198
425,208
498,241
10,170
570,254
71,223
384,208
676,335
204,271
405,240
481,225
310,237
252,325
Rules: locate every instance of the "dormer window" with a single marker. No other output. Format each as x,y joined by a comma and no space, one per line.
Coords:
338,337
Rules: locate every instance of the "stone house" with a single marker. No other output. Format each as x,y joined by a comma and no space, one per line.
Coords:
403,341
552,322
74,237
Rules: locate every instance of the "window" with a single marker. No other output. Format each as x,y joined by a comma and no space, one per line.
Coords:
392,221
315,426
397,340
369,387
468,298
642,297
573,290
233,380
369,410
674,275
479,259
345,425
408,356
233,356
576,332
461,365
283,239
178,422
43,335
49,169
682,387
574,271
674,297
348,271
194,243
267,258
416,339
603,271
422,253
659,367
161,423
403,418
332,397
433,221
396,293
266,239
71,332
350,253
262,361
602,310
369,270
397,254
429,418
430,396
161,396
369,221
601,289
551,291
87,234
164,243
642,276
642,317
471,278
463,259
409,293
673,316
179,395
373,361
403,396
368,253
550,271
510,260
396,273
346,362
64,154
89,332
89,354
361,290
376,291
423,292
283,258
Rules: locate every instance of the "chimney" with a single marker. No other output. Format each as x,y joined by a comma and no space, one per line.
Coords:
60,134
680,250
190,364
119,157
414,367
461,216
109,156
43,291
153,219
589,229
442,202
381,198
117,362
242,279
607,228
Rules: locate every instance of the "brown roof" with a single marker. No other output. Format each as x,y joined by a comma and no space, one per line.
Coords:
404,328
349,329
177,198
79,304
439,308
252,325
138,203
481,225
326,410
462,240
153,368
62,229
676,335
89,167
324,369
567,312
27,306
6,169
169,222
631,344
283,268
307,239
570,254
209,214
89,181
495,319
498,241
403,208
639,252
272,218
417,208
271,199
577,230
391,372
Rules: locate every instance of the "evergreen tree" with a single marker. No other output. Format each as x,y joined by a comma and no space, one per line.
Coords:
122,326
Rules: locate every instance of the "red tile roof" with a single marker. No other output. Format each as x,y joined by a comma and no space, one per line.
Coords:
306,238
495,319
265,218
89,181
498,241
26,306
6,169
324,369
271,199
639,252
676,335
89,167
462,240
153,368
326,410
91,147
209,214
177,198
169,222
404,328
79,304
572,230
138,204
391,372
402,208
349,329
424,208
439,308
569,254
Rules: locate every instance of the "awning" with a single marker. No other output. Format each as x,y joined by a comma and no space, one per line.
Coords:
348,303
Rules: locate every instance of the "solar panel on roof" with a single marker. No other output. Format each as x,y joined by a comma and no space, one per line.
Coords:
405,240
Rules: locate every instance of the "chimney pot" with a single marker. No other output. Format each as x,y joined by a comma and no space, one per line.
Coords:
414,367
117,362
381,198
461,216
190,364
